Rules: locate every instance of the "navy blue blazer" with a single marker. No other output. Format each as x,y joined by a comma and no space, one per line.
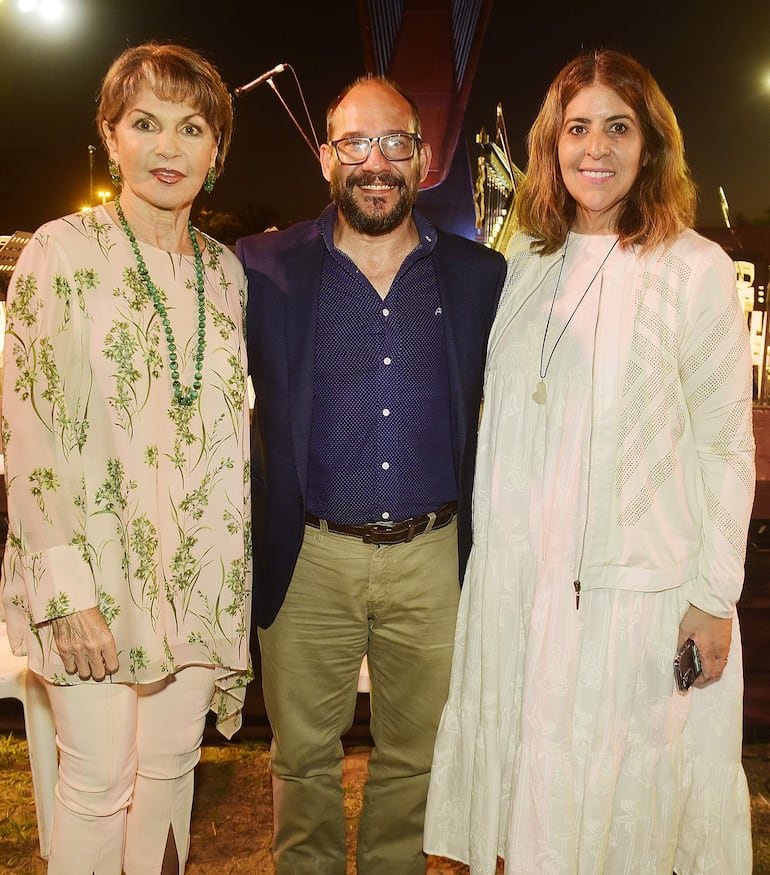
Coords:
284,276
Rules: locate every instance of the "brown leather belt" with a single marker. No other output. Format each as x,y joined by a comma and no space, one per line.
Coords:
401,532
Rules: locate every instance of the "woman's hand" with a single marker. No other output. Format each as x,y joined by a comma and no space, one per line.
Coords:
85,644
712,636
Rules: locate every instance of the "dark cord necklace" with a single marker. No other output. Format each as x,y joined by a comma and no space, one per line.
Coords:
539,395
184,396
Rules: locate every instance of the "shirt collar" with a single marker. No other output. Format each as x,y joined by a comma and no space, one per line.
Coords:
425,231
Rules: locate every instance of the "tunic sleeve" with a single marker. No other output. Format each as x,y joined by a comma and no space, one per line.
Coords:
715,370
46,387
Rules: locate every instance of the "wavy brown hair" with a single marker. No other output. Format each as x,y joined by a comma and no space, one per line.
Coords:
174,73
661,202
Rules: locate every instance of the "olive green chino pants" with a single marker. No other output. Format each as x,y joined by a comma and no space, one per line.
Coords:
398,605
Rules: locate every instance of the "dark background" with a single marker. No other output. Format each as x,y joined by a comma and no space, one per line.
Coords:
710,57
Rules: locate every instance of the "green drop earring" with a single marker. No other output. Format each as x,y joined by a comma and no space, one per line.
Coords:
211,178
114,173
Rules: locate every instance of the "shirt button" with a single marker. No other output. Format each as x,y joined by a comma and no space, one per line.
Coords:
385,311
387,360
385,515
386,412
385,466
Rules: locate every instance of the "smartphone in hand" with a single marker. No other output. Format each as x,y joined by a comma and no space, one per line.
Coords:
687,665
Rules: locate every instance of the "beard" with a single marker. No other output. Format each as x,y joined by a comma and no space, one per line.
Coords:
368,214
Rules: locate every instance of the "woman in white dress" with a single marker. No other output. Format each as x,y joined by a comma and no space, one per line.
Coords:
126,579
614,487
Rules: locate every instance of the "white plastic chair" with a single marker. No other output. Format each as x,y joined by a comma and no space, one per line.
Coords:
16,682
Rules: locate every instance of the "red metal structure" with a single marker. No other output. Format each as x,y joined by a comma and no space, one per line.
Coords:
431,49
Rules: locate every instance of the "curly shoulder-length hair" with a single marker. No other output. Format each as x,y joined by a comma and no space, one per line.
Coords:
174,73
661,202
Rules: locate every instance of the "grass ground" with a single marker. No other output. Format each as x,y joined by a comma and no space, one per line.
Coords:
232,816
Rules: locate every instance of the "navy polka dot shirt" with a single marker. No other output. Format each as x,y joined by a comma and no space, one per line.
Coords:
380,442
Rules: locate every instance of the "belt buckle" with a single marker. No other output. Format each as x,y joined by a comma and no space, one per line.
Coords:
407,527
380,528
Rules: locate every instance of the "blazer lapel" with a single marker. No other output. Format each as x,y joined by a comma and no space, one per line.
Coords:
303,281
453,283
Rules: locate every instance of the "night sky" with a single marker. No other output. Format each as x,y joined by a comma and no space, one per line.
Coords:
711,58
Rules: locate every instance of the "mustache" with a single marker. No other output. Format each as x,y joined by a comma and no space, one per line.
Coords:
365,177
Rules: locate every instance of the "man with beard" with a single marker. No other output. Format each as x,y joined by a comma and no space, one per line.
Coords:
367,332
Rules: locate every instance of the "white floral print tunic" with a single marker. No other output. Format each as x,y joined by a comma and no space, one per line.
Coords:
118,497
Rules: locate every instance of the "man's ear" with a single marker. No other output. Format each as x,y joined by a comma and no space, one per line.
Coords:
326,156
426,156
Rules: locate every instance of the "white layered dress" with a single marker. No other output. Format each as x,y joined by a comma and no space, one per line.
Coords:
564,746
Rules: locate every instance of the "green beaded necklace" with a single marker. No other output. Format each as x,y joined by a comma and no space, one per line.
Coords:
184,396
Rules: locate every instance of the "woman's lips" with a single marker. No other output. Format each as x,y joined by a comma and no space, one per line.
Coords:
163,174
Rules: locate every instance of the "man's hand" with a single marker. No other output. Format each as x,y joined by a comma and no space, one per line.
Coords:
712,636
85,644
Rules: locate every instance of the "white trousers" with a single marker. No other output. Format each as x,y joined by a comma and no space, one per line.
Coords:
126,760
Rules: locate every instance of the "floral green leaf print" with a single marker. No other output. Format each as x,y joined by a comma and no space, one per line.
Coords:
236,383
232,524
80,537
151,456
112,497
134,292
214,250
185,569
85,278
137,660
80,541
181,417
58,606
247,539
144,546
107,605
62,290
26,375
72,431
98,231
195,502
113,492
237,583
205,645
43,479
120,345
24,304
222,322
88,225
169,664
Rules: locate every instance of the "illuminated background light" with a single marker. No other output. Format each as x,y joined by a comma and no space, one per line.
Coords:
51,9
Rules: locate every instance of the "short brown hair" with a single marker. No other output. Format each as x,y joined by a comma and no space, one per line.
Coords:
661,202
174,73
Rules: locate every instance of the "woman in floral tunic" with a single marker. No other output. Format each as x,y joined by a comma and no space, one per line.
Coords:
126,579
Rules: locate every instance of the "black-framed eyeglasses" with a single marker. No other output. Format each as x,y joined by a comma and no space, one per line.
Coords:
394,147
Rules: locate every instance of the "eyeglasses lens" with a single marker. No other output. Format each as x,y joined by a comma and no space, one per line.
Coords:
394,147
